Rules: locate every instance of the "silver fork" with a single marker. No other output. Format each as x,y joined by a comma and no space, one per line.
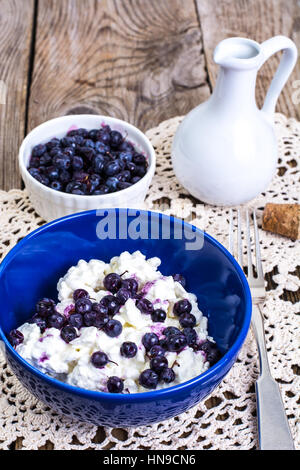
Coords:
273,428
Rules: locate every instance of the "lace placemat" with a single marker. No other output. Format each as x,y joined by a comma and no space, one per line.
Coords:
227,420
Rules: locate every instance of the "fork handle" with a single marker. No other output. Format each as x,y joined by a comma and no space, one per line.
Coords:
273,428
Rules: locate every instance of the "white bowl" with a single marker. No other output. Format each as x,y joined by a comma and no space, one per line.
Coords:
51,204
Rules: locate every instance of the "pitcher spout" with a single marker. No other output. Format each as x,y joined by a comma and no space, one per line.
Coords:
238,53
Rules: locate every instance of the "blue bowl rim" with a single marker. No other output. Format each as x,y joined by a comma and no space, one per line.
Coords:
215,370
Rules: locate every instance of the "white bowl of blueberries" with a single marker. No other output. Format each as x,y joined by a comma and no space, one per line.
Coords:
83,162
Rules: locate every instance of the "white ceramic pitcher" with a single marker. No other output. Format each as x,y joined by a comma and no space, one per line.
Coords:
225,151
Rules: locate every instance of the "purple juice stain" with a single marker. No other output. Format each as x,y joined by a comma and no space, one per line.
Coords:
73,128
44,337
43,358
69,309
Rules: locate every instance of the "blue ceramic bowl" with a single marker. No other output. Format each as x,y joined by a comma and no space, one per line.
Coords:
31,271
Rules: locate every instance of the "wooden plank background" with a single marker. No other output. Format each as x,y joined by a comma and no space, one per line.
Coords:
139,60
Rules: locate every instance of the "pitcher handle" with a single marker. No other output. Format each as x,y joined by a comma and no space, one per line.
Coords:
287,63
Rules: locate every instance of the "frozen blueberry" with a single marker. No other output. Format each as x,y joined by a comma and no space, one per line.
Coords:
211,350
112,282
156,350
56,320
191,336
113,328
39,150
89,318
179,278
149,340
39,321
79,294
148,379
182,306
130,284
111,303
16,337
83,305
68,333
158,363
45,307
99,359
76,320
145,306
187,320
158,316
167,375
123,295
56,185
115,385
171,330
176,343
128,349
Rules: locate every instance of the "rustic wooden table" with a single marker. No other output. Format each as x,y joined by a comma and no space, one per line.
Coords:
140,60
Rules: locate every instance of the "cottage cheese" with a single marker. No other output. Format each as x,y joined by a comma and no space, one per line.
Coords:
71,362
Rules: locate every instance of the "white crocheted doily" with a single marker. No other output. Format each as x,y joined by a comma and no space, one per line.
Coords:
227,420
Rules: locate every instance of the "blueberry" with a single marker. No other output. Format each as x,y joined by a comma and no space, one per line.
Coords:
140,171
115,385
149,340
126,156
39,321
77,163
80,176
80,294
158,315
64,176
158,363
93,134
191,336
53,173
123,295
83,305
68,141
112,282
100,308
148,379
76,320
130,166
56,185
100,147
179,278
53,143
112,184
124,176
126,146
182,306
116,139
176,343
89,318
211,351
163,343
63,162
145,306
16,337
135,179
88,153
167,375
89,143
34,172
128,349
68,333
39,150
130,284
100,320
99,359
156,350
41,178
101,190
104,136
139,159
171,331
112,304
124,185
69,152
56,320
112,168
94,182
45,307
45,159
187,320
113,328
